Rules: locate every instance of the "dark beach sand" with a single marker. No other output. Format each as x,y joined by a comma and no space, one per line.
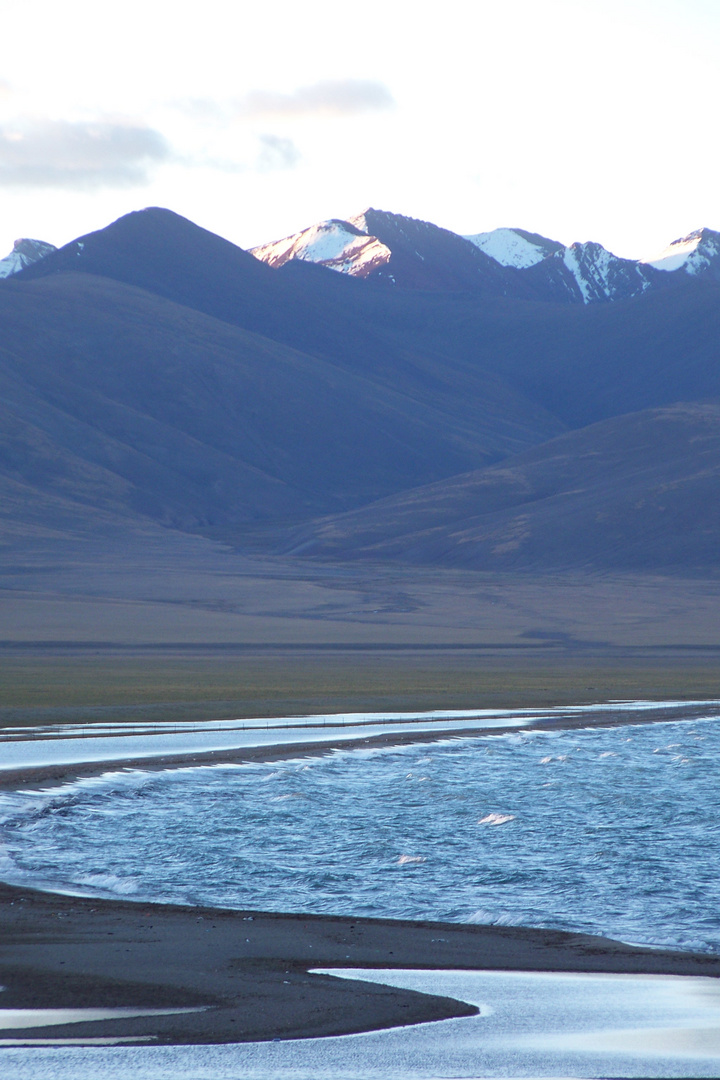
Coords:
251,968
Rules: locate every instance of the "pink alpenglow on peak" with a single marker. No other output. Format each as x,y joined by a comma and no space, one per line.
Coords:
336,244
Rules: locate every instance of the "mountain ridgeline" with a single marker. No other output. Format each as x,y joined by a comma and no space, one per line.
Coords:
505,262
374,389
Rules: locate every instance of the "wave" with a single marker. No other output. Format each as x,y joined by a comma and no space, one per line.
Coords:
620,844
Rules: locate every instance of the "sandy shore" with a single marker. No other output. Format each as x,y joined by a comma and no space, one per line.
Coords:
250,969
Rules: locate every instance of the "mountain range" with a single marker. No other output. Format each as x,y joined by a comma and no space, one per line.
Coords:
416,254
442,400
505,262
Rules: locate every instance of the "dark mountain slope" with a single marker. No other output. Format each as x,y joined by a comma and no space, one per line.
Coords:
425,256
615,358
502,361
126,403
580,363
116,398
508,367
635,492
163,253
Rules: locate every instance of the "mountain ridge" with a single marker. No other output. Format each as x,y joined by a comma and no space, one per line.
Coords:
154,375
411,253
397,250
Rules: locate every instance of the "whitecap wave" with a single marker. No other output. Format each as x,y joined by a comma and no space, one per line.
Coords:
496,819
109,883
490,918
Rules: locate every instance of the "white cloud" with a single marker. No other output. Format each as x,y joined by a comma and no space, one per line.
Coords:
44,153
327,98
277,153
330,97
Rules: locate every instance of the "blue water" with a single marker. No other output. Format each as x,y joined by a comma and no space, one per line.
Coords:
613,831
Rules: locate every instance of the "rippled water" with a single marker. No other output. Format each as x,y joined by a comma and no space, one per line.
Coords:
612,831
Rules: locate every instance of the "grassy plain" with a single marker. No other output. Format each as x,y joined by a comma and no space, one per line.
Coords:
53,689
192,630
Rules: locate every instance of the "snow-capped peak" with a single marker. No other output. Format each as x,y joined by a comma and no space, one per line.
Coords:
599,275
25,252
586,272
515,247
415,254
589,264
693,253
338,245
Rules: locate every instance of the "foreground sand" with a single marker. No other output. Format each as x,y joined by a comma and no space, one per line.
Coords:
251,968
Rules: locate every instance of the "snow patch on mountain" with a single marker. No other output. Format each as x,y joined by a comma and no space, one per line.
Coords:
581,272
599,275
572,260
514,247
695,253
338,245
25,252
590,264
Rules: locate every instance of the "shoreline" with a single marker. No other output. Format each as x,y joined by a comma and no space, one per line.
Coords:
43,687
597,715
249,972
250,969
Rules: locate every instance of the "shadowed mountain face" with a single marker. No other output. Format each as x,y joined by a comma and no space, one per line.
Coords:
129,404
582,364
317,312
576,363
152,373
636,492
424,256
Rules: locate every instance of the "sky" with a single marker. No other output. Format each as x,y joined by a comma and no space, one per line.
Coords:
577,119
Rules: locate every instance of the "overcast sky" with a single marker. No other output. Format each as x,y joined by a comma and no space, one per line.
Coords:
578,119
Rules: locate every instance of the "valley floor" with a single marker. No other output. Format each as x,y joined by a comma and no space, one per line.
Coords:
184,628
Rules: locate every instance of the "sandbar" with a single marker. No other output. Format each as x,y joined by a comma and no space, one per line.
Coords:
252,969
20,770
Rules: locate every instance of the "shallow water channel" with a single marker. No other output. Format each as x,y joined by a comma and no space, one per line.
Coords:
530,1024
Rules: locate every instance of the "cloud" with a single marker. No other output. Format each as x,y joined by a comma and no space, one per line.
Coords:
64,154
263,153
277,152
333,97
